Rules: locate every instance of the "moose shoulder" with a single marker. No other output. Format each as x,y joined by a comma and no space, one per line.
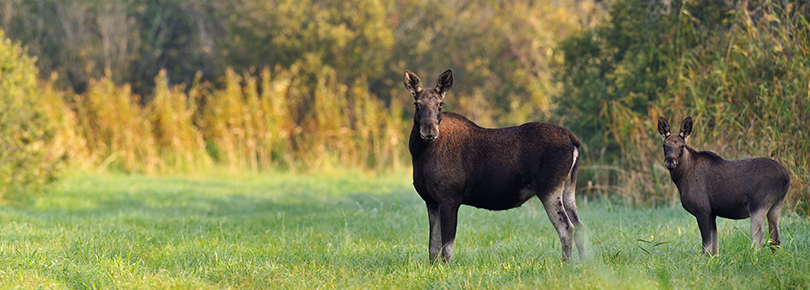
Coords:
712,187
457,162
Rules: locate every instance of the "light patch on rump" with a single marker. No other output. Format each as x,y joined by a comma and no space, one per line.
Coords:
573,163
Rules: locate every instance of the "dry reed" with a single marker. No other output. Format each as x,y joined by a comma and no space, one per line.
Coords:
273,119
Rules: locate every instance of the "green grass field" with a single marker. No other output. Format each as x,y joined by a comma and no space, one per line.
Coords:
353,231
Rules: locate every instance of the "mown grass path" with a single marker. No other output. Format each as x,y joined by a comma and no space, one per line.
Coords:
356,232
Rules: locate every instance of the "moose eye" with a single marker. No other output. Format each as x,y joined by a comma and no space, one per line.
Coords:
441,104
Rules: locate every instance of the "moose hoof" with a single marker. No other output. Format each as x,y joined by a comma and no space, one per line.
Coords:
773,246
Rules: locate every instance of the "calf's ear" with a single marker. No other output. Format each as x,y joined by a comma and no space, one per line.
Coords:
412,83
663,127
686,128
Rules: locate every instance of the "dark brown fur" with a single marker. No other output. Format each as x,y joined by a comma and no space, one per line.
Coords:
457,162
712,187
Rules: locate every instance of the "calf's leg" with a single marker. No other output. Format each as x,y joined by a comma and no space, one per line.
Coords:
435,240
715,242
757,224
773,222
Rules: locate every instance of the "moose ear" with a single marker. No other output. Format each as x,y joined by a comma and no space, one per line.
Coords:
412,83
445,82
686,128
663,127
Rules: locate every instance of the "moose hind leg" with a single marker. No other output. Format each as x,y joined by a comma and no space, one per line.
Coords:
757,225
435,240
553,203
773,223
570,205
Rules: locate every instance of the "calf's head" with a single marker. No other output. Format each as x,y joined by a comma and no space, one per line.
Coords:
674,145
428,102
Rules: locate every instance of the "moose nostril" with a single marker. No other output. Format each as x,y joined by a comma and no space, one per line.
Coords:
429,134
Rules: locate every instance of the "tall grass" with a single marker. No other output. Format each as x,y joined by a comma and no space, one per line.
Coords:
171,113
277,118
281,119
117,129
750,99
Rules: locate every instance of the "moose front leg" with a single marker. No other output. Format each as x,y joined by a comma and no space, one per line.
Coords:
708,232
435,240
448,217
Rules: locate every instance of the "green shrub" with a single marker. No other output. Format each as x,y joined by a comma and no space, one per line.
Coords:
25,130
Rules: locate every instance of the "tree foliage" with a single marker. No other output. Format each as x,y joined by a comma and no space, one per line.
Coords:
502,51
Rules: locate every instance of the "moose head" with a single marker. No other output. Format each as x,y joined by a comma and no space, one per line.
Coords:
674,145
428,102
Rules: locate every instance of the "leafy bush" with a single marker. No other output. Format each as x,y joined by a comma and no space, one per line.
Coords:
25,129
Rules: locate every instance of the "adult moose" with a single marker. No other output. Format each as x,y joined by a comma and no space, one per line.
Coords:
457,162
712,187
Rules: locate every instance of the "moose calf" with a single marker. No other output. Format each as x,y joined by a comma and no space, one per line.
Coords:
711,186
457,162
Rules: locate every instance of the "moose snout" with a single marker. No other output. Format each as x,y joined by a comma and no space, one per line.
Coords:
429,132
429,136
671,163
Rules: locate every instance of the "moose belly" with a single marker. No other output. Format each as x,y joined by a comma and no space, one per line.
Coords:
493,198
734,211
729,205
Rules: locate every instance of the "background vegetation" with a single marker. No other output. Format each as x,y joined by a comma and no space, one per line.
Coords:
301,85
178,85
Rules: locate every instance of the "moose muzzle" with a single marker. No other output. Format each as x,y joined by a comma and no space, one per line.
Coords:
429,131
671,163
